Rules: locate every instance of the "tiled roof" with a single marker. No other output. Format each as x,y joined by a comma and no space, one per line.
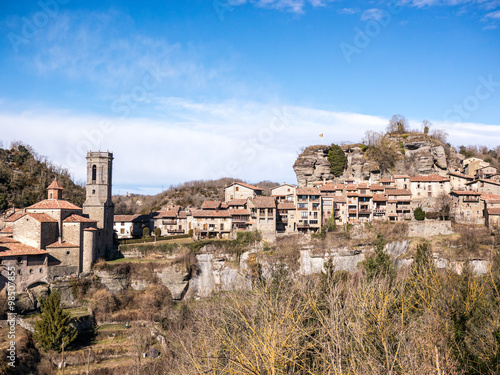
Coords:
170,212
386,180
328,187
351,187
211,213
264,202
54,204
245,185
308,191
92,229
429,178
42,218
63,244
398,192
494,211
490,197
7,240
18,249
237,202
55,185
286,206
78,219
375,187
339,199
363,185
14,217
379,198
129,218
465,192
401,176
7,230
239,211
211,205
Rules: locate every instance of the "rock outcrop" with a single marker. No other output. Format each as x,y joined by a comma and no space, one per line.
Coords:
417,154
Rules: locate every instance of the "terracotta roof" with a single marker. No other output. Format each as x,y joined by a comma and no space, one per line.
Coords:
63,244
170,212
386,180
237,202
182,215
494,211
377,187
42,218
264,202
211,205
90,229
363,185
286,206
401,176
398,192
78,219
352,195
245,185
7,230
129,218
7,240
328,187
379,198
54,204
429,178
465,192
55,185
14,217
211,213
489,181
17,249
351,187
308,191
490,197
339,199
239,211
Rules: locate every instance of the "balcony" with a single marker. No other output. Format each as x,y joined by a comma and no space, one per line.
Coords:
364,212
177,231
169,222
379,211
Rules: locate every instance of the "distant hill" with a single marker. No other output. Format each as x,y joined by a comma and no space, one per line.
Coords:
24,177
188,194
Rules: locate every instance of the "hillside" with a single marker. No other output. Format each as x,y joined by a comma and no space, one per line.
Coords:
188,194
24,177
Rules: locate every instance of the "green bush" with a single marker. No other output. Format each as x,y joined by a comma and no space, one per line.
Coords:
337,159
419,213
145,232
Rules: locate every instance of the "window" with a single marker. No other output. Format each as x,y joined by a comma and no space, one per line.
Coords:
270,220
122,231
262,211
302,206
237,188
40,270
304,215
31,270
94,173
68,252
221,226
93,191
19,259
50,195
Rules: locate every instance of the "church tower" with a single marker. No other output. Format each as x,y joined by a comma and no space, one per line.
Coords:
98,205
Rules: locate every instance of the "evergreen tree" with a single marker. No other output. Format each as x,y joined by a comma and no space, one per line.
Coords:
337,159
380,264
54,327
419,213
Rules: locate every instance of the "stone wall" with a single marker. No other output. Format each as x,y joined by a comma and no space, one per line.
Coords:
428,228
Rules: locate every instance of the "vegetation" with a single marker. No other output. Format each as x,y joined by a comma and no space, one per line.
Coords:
337,159
379,265
53,328
25,176
419,214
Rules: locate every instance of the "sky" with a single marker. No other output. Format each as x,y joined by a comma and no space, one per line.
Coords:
202,89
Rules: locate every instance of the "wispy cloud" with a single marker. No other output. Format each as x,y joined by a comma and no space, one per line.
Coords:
294,6
373,14
495,15
349,11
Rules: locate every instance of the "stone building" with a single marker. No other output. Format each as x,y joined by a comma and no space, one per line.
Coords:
466,207
241,190
309,209
130,226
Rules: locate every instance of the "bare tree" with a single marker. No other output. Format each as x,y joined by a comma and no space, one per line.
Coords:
397,124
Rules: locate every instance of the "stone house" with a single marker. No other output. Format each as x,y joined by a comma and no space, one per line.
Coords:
431,186
379,207
399,204
284,192
402,182
211,223
237,204
493,217
263,216
466,207
240,218
458,181
485,186
241,190
486,172
471,165
285,219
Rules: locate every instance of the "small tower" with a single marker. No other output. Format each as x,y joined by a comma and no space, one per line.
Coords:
98,205
54,191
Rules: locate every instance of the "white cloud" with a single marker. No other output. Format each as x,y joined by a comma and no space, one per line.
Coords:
494,15
294,6
349,11
372,14
248,140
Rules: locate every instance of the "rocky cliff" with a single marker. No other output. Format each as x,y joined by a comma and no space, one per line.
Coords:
410,154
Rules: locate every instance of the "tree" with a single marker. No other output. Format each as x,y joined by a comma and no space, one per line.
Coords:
419,213
443,206
397,124
54,325
157,232
145,232
380,264
337,159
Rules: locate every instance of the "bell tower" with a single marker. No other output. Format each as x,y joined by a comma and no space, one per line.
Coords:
98,204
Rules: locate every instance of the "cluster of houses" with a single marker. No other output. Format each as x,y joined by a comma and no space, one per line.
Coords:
470,195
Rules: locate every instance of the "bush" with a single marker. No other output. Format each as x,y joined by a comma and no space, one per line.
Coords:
157,232
145,232
419,213
431,215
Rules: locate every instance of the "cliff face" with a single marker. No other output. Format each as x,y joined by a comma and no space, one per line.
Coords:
415,154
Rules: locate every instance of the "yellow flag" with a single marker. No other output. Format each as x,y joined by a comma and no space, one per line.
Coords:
321,135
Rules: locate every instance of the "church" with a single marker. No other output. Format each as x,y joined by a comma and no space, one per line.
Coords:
54,238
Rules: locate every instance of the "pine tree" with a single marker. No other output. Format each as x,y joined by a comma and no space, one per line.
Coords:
54,327
337,159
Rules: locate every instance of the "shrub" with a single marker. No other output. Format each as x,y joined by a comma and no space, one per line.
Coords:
145,232
157,232
337,159
419,213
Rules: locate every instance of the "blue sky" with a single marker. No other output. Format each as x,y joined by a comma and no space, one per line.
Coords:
200,89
